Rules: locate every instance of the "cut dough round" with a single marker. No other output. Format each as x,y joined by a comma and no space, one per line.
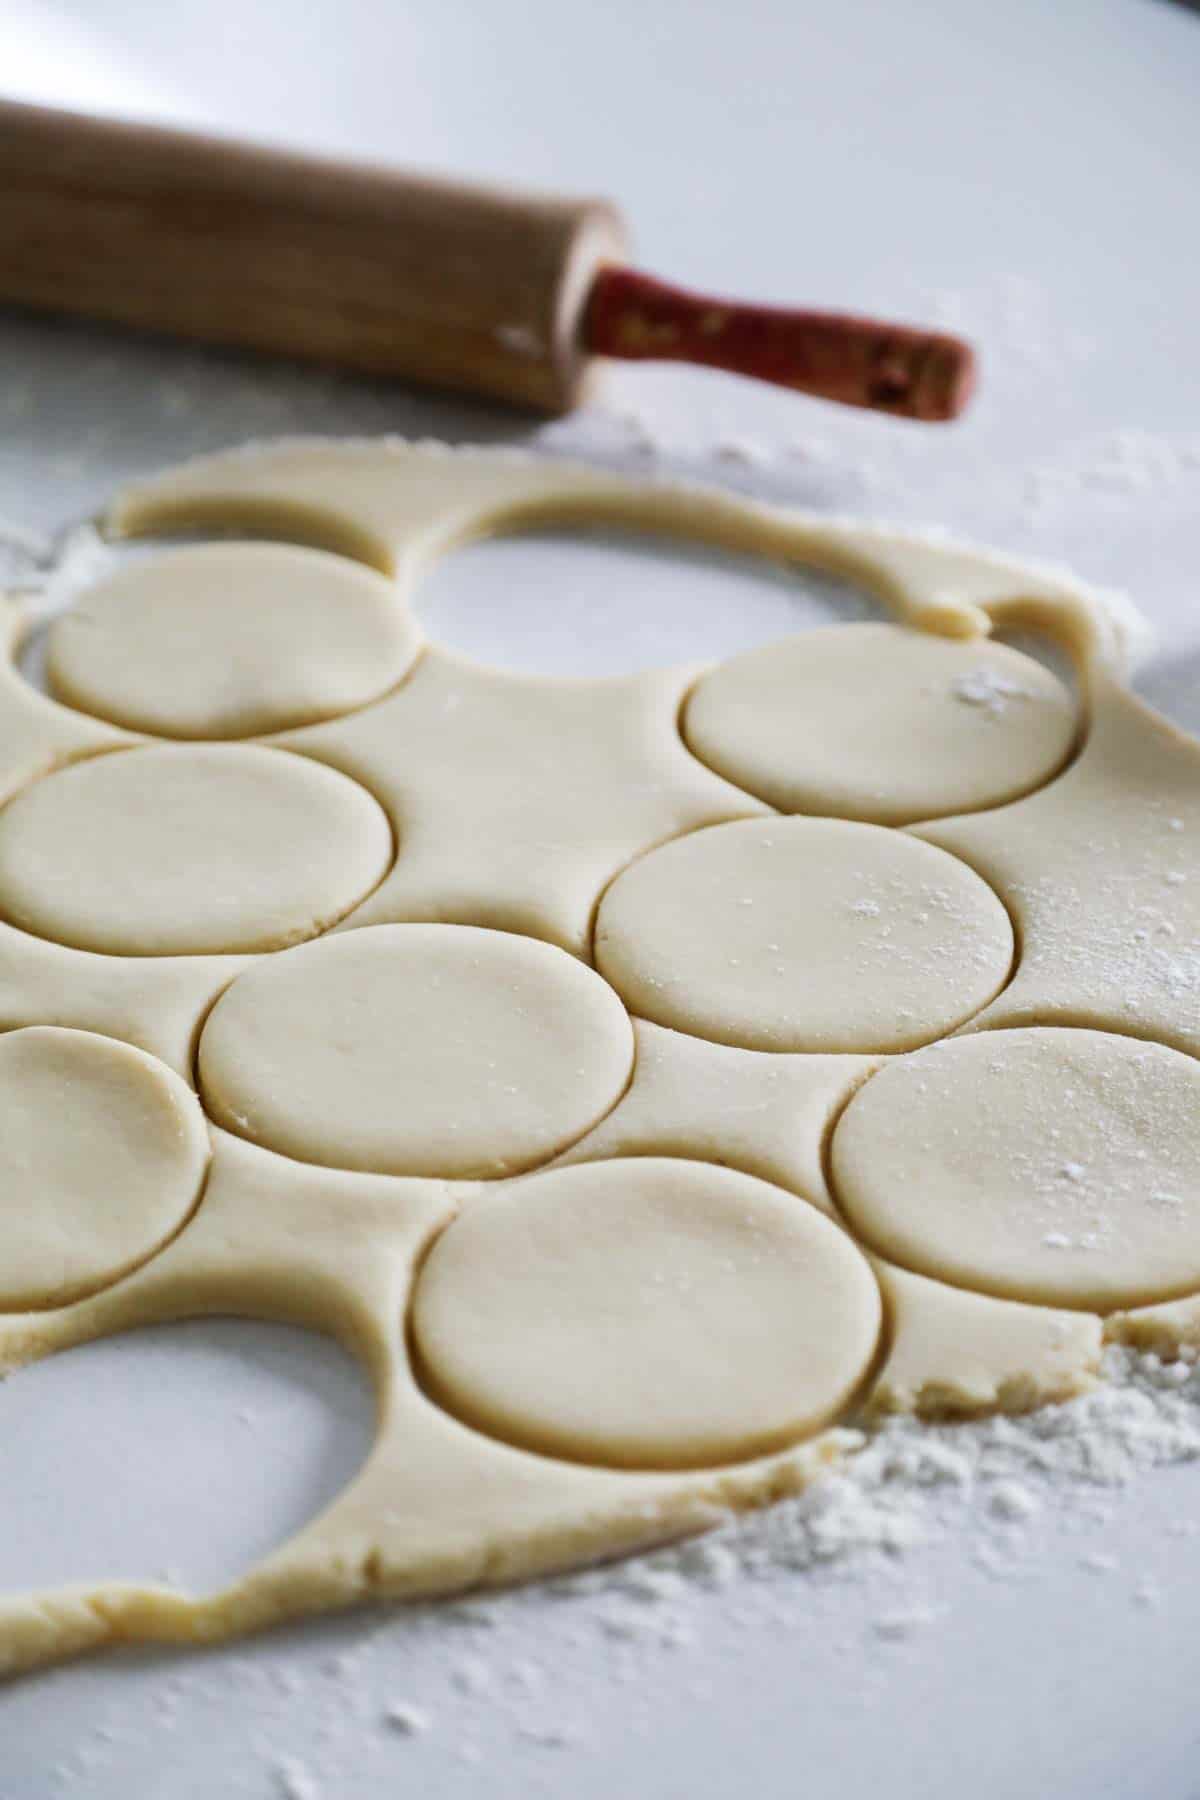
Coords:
646,1313
803,934
436,1050
881,723
102,1155
230,640
1043,1164
190,850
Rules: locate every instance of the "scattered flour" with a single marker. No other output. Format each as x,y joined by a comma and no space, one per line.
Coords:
23,555
408,1721
294,1781
989,690
74,561
905,1482
903,1485
894,1627
742,450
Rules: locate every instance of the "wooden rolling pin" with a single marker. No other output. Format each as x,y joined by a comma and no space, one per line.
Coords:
488,290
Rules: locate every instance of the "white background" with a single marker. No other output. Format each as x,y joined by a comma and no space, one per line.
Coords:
1025,172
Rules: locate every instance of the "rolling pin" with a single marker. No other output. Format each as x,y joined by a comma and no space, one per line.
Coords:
488,290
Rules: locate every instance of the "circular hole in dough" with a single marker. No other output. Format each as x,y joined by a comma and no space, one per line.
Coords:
881,723
1044,1164
181,850
102,1154
645,1313
436,1050
803,934
230,640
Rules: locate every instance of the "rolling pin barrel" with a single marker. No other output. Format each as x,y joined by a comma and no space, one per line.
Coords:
396,274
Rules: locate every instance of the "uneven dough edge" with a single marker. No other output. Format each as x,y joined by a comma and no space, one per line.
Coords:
436,1508
408,504
1165,1329
397,505
37,734
957,1353
766,1113
1084,865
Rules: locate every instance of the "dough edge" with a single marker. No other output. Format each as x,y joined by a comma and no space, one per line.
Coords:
931,582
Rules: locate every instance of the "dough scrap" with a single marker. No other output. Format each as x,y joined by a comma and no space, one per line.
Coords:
437,1508
1059,1166
397,505
959,1354
1164,1328
36,733
766,1114
645,1314
516,798
156,1003
1101,871
876,723
803,935
230,640
515,804
102,1156
435,1050
188,850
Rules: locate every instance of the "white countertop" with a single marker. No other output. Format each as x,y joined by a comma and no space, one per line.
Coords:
1025,173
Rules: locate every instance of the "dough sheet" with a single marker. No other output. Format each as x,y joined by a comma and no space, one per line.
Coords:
644,1077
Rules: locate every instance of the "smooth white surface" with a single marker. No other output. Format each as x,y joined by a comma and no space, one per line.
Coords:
1025,172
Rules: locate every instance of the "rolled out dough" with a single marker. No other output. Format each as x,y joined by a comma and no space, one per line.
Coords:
187,851
230,641
1052,1165
567,925
416,1050
654,1315
803,934
102,1157
881,724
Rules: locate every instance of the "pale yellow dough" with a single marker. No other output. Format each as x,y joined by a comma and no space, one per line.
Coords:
229,641
877,723
102,1156
1051,1165
673,1320
654,1314
416,1050
803,934
1101,871
764,1113
516,798
186,851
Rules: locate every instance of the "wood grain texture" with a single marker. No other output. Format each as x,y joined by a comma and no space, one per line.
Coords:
440,282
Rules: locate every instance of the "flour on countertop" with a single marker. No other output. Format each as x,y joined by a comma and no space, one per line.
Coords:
409,1721
904,1481
904,1484
23,555
294,1782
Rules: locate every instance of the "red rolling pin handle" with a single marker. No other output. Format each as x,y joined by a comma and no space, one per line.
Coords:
859,362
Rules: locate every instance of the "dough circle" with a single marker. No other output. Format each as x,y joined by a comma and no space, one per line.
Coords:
230,640
645,1313
881,723
103,1151
438,1050
803,934
1046,1164
188,850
